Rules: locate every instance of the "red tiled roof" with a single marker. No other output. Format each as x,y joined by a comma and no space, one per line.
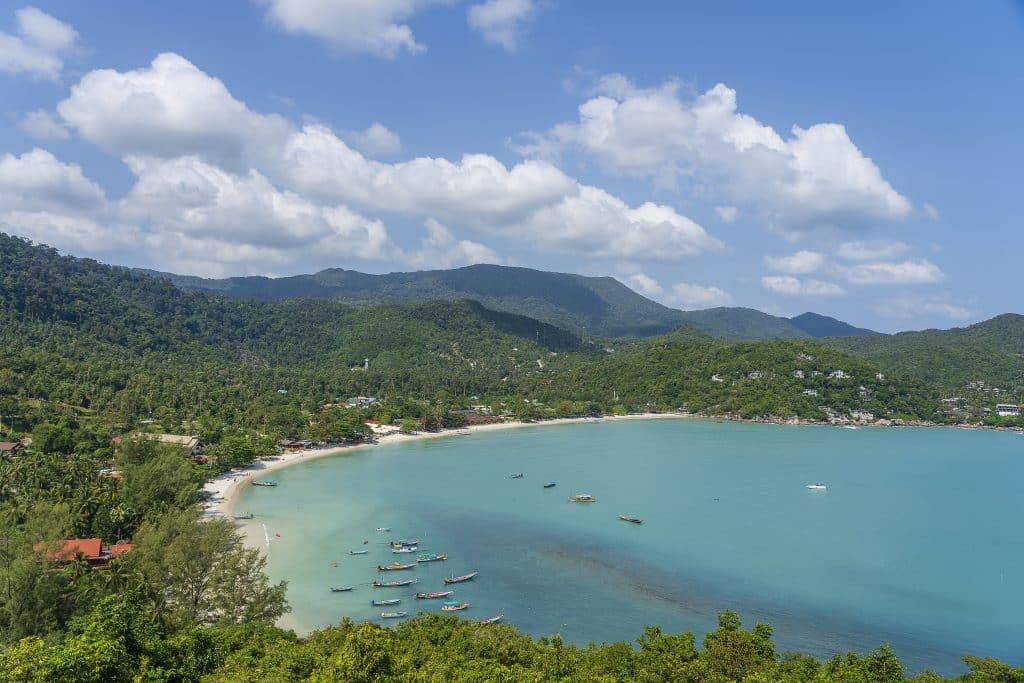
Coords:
91,548
119,549
7,446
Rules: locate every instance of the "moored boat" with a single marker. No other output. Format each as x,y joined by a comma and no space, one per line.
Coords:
384,603
264,482
632,520
582,498
247,515
460,579
394,567
517,475
358,552
383,528
550,485
404,544
817,487
393,615
435,594
432,557
454,606
404,550
394,584
492,620
341,589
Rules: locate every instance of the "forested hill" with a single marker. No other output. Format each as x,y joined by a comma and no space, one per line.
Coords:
594,306
991,351
818,325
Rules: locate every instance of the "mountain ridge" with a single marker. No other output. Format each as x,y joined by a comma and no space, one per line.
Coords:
600,306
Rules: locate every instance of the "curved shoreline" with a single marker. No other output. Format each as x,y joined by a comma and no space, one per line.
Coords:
223,490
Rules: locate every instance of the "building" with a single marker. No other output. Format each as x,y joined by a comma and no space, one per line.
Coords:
91,550
810,392
1007,410
10,447
838,374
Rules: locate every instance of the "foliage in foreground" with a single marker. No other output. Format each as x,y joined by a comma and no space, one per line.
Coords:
119,642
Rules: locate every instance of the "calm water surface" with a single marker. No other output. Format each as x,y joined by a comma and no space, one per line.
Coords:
918,541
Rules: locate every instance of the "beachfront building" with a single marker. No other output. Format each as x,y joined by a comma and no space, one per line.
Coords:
92,550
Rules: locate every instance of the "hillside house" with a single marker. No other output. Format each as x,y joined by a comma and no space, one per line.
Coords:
1007,410
810,392
838,374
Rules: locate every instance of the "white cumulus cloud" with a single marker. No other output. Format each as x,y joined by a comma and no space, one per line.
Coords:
813,181
800,263
914,307
872,250
645,284
377,140
728,214
687,295
43,125
39,47
357,26
170,108
501,22
910,272
793,286
441,249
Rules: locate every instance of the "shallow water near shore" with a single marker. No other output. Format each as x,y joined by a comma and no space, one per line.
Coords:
917,541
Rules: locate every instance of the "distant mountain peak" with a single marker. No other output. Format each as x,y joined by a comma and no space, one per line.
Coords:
818,325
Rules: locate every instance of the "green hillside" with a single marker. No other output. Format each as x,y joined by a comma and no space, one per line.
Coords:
817,325
991,352
590,306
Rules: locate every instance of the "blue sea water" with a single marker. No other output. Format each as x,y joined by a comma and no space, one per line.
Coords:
918,541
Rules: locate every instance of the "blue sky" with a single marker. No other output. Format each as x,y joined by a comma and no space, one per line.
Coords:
862,161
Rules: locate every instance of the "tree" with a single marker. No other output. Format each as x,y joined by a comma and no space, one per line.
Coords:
409,426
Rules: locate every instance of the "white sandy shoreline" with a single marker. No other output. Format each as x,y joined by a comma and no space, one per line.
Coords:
222,491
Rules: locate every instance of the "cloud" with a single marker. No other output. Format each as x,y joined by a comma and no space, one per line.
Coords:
501,22
931,211
814,181
38,181
191,197
800,263
532,201
440,249
727,214
874,250
914,307
377,140
169,109
689,295
789,285
210,168
42,125
39,48
645,284
911,272
354,26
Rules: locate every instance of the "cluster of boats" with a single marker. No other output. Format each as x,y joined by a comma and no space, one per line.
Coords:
583,498
402,547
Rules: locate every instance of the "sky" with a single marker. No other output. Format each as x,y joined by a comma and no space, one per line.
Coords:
861,160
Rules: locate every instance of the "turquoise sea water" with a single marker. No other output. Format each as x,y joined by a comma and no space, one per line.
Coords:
918,541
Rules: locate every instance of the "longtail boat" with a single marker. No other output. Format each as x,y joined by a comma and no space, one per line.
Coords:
454,606
633,520
435,594
264,482
394,567
550,485
404,544
427,557
341,589
404,550
393,615
517,475
383,603
582,498
492,620
383,529
358,552
247,515
460,579
394,584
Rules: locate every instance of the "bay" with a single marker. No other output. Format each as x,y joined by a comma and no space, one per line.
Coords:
918,540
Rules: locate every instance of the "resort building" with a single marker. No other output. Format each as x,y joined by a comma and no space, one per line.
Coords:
92,550
1007,410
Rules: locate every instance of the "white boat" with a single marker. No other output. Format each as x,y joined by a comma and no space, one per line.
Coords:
817,487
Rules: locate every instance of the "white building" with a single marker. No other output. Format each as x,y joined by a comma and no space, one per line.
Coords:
1007,410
